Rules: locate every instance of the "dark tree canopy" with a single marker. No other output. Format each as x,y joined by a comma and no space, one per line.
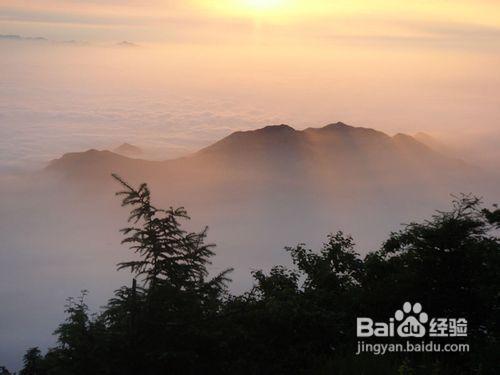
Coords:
174,318
33,362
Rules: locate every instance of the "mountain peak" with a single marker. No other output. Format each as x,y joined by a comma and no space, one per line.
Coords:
341,129
277,128
338,125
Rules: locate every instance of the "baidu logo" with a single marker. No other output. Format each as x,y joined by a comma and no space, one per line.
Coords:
412,322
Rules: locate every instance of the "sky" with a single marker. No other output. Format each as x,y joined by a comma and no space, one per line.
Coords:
173,76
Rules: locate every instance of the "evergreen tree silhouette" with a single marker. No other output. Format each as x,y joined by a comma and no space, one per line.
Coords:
169,256
33,363
170,312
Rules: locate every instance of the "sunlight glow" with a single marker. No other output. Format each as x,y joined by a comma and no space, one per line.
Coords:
289,11
275,9
263,5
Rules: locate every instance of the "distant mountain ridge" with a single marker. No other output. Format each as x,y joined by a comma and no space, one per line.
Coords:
337,150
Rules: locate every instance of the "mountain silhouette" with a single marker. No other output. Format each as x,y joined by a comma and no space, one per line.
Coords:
337,153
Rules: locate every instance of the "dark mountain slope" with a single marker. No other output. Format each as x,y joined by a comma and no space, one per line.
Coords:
336,154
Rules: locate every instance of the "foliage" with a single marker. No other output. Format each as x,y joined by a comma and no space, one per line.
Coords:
175,319
33,362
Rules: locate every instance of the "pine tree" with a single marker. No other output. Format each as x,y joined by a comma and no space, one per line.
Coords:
33,363
166,319
168,254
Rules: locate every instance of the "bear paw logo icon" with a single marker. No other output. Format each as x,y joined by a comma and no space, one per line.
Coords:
412,320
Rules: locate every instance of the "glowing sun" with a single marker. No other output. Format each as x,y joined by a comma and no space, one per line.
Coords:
263,5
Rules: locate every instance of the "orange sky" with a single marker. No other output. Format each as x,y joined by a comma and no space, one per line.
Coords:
399,66
157,20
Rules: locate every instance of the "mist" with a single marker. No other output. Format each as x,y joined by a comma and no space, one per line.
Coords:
59,98
173,91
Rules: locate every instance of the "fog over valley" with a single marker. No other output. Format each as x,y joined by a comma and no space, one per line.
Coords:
272,123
